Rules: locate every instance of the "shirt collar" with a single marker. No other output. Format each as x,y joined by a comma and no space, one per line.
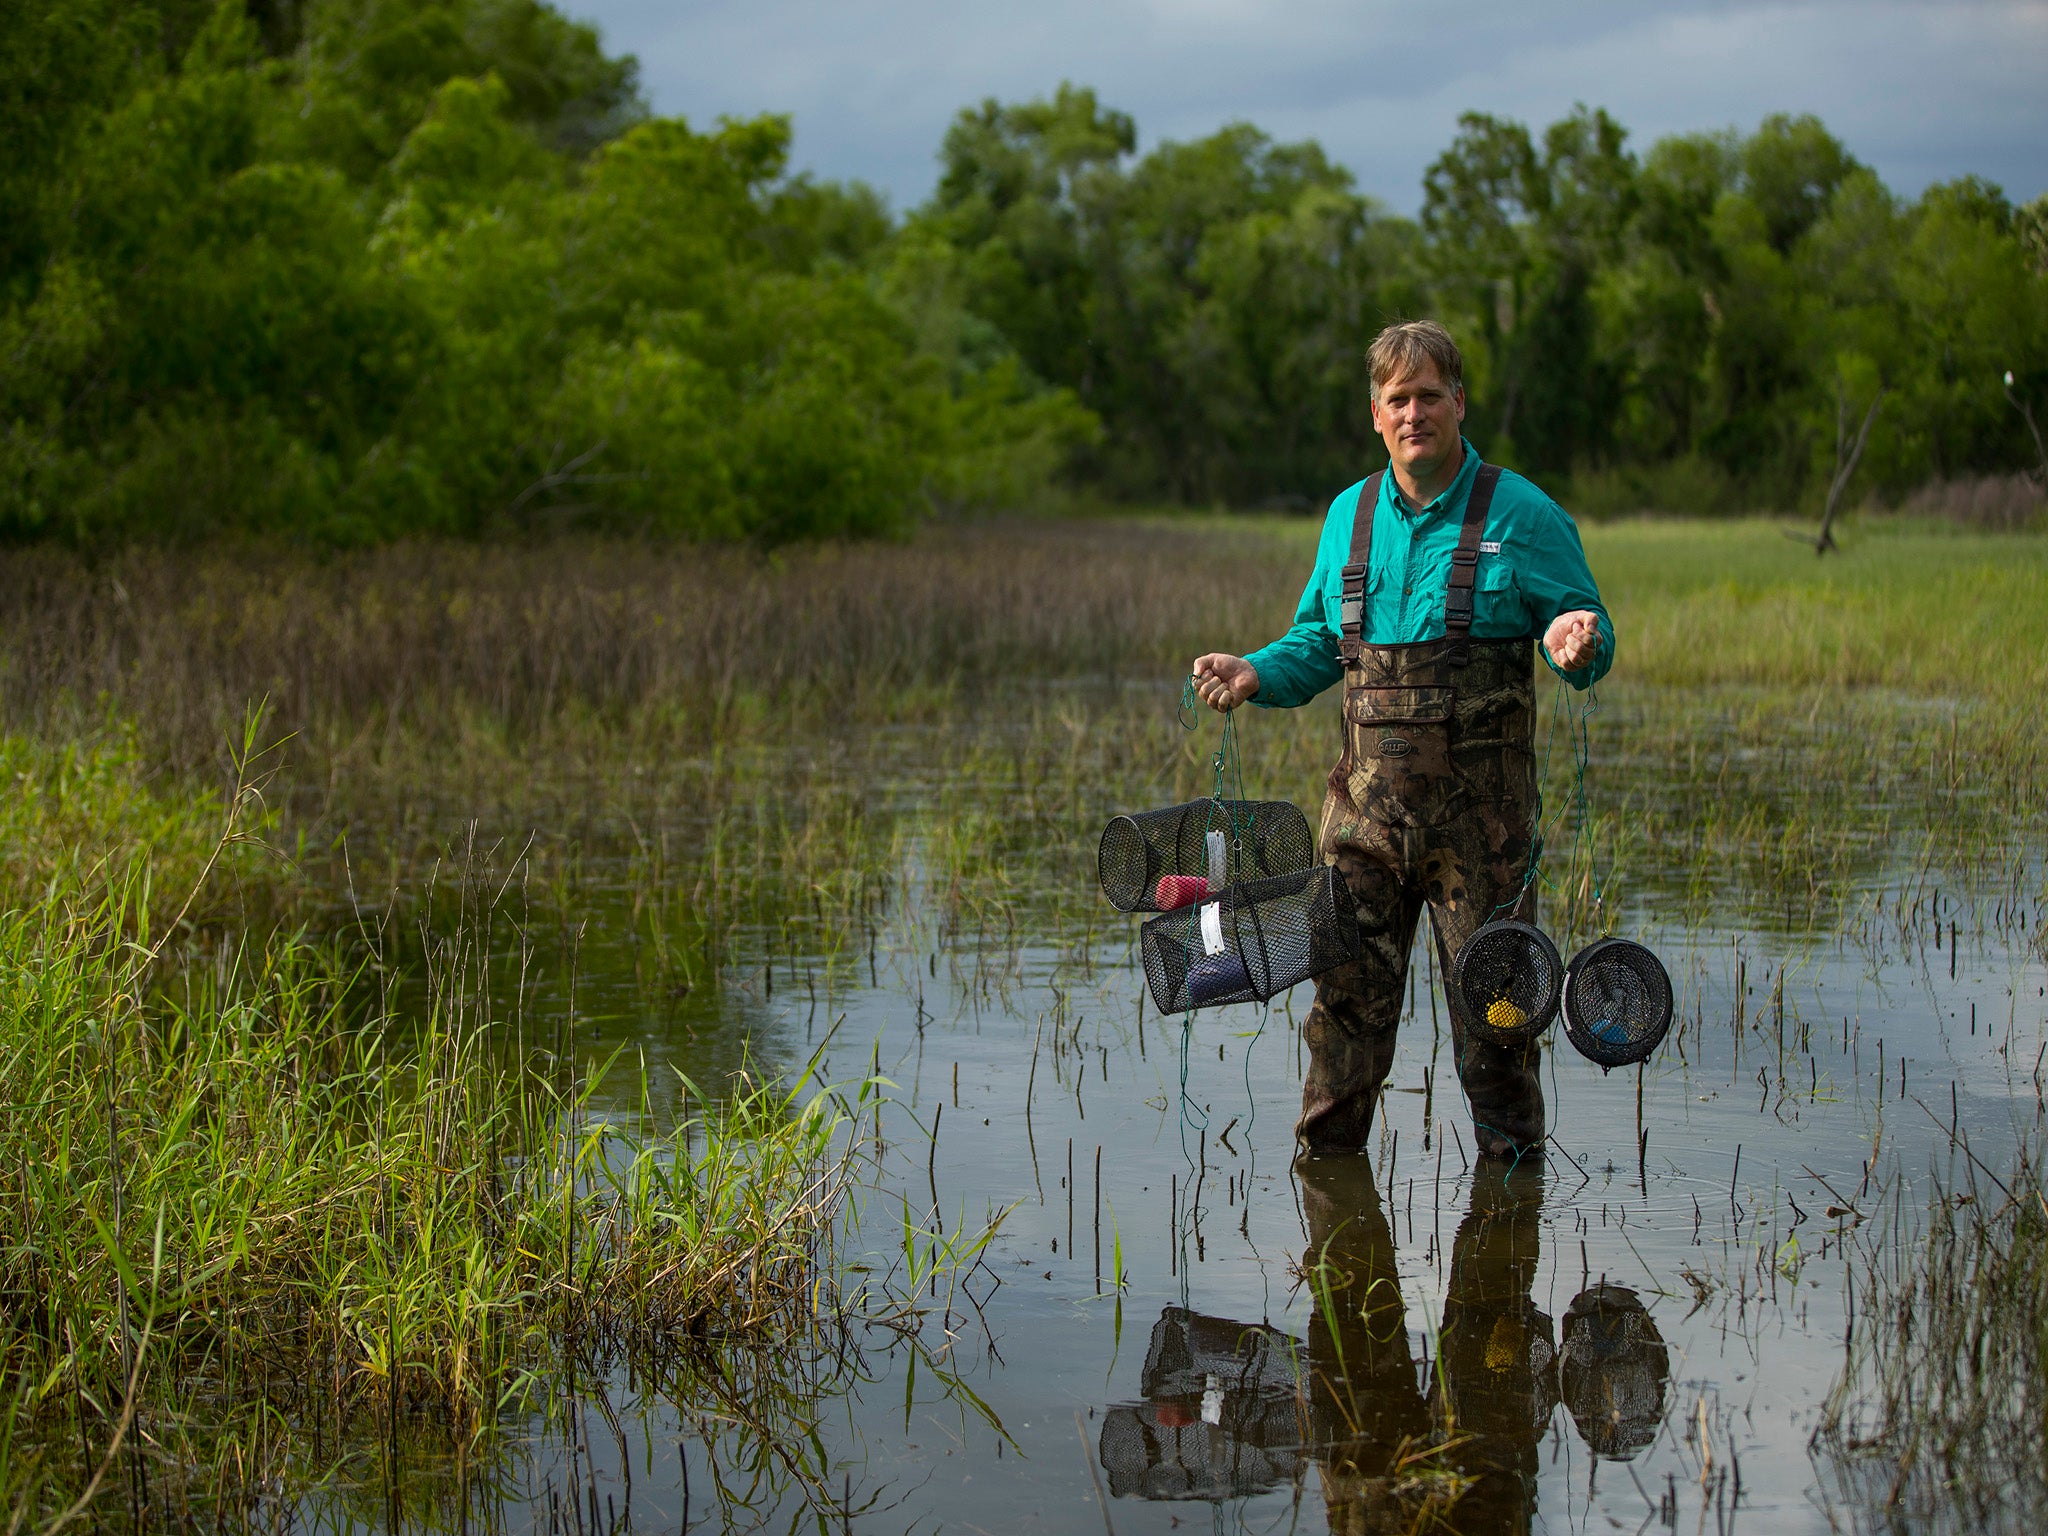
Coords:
1453,495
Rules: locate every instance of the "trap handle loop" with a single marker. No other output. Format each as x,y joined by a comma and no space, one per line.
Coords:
1226,767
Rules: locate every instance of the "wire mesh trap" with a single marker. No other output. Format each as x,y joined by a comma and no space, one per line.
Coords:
1613,1371
1250,943
1509,981
1159,861
1221,1417
1617,1002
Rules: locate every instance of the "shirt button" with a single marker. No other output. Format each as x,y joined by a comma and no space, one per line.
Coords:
1407,591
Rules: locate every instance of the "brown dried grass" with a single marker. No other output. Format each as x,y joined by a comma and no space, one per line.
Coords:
417,638
2004,503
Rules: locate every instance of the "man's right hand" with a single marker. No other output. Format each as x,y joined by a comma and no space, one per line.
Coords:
1223,682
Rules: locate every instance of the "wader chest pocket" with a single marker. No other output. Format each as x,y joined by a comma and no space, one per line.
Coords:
1398,758
1398,706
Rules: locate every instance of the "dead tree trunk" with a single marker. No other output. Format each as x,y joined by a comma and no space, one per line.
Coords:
1847,456
2027,412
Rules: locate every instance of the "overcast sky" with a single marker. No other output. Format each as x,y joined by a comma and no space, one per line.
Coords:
1921,91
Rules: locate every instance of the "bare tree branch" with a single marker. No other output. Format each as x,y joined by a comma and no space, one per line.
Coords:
1847,456
2027,411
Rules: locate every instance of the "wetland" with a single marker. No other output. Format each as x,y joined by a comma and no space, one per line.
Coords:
644,1049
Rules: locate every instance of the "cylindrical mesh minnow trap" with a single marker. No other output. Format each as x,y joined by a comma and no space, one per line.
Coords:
1252,942
1173,848
1617,1002
1509,980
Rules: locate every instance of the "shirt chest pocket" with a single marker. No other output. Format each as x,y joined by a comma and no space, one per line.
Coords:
1498,610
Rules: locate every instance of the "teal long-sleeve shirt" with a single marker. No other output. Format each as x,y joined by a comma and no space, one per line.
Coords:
1531,569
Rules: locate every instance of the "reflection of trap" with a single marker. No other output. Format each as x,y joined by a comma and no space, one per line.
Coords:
1222,1417
1252,942
1155,861
1617,1002
1613,1370
1509,981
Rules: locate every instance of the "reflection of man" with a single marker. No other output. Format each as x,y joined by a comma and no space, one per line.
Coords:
1429,582
1495,1384
1230,1407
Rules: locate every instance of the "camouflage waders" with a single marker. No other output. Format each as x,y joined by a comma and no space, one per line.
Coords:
1434,800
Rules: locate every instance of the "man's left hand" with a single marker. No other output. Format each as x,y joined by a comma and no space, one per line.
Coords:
1573,639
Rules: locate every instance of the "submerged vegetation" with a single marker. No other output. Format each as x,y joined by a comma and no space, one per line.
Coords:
1936,1422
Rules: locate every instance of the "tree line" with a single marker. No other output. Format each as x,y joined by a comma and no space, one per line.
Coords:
348,270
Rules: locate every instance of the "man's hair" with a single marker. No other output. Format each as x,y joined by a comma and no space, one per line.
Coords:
1402,348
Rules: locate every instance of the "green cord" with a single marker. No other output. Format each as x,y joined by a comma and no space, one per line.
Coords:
1226,779
1578,730
1226,772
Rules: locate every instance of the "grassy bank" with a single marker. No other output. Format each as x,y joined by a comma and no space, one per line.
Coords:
246,1213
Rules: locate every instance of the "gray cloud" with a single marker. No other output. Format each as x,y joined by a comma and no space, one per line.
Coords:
1921,91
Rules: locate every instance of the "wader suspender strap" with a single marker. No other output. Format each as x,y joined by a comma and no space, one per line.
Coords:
1352,624
1465,562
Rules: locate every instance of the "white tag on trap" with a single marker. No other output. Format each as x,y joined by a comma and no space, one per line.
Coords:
1212,928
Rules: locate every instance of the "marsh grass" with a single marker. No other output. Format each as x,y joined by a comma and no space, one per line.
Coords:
1936,1422
680,645
457,645
755,732
334,1179
2004,502
240,1213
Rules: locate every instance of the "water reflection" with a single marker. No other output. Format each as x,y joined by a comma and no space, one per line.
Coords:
1613,1371
1222,1416
1231,1409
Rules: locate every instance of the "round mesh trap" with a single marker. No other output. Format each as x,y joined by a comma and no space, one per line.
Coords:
1509,979
1613,1370
1250,943
1617,1002
1138,852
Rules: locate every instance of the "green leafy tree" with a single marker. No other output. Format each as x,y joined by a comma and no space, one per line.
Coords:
1655,301
1520,236
357,269
1015,186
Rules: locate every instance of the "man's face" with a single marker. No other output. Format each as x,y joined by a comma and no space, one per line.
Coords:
1417,416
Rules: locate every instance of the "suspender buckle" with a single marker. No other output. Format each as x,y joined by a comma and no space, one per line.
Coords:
1464,557
1351,610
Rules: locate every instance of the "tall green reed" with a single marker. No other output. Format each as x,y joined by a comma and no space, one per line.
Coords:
237,1190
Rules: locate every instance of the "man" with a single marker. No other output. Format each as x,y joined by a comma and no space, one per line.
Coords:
1431,578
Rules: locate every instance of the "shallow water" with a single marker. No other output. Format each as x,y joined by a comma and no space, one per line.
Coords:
1637,1331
